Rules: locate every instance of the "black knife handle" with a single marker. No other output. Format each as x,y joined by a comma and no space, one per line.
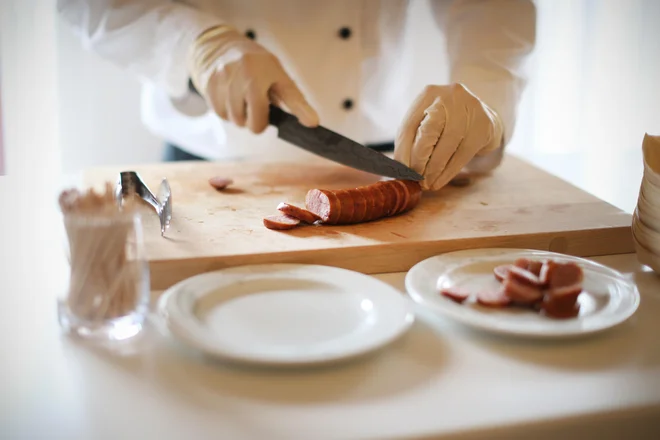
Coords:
276,115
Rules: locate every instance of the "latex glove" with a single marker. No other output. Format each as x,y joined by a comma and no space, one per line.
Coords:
444,129
240,78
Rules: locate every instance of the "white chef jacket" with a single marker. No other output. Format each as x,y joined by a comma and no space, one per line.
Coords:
348,57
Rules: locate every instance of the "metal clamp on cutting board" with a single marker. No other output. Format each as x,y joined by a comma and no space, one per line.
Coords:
129,184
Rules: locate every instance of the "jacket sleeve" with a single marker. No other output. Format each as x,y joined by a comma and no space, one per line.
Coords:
488,42
149,38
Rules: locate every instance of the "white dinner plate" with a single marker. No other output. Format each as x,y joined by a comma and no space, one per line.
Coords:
285,314
608,298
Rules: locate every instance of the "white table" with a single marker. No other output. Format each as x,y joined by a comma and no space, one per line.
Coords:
439,381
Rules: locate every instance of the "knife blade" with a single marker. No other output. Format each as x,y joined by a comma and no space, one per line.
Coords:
333,146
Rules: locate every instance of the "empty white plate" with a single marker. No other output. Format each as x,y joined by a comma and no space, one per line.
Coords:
608,298
285,314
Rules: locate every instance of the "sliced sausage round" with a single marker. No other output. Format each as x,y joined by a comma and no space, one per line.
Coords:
280,222
394,194
219,182
369,203
565,274
323,203
300,213
524,276
318,203
553,308
360,205
493,298
501,271
521,293
390,198
379,203
335,206
455,294
535,267
415,192
347,206
405,196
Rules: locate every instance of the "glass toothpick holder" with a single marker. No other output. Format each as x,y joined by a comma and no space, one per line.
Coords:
108,292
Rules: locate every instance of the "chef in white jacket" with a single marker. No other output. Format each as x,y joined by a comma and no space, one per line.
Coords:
211,67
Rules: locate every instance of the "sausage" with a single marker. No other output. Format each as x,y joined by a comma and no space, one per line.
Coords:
301,214
553,308
455,294
501,271
401,196
535,267
390,198
365,203
370,203
549,287
523,276
536,272
521,262
493,298
563,275
570,290
335,211
347,206
405,196
563,299
219,182
531,265
280,222
415,193
323,204
379,203
555,275
521,293
392,194
360,206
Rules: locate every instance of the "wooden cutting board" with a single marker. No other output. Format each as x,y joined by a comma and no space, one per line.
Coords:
518,205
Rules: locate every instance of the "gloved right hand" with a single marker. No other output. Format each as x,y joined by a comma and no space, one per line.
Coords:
240,78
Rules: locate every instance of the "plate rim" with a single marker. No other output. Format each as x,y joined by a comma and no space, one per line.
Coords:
169,296
418,298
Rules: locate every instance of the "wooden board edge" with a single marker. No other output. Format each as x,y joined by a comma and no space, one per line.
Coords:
400,257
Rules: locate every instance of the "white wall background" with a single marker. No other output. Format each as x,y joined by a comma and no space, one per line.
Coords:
28,60
99,108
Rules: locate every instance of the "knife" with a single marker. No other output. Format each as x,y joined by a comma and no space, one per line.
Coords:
330,145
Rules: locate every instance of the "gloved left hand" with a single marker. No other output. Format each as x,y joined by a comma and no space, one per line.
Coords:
444,129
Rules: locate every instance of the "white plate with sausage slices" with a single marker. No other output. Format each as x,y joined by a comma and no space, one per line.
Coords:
606,298
285,314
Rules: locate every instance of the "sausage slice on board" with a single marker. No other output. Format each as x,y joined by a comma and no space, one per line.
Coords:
280,222
219,182
300,213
